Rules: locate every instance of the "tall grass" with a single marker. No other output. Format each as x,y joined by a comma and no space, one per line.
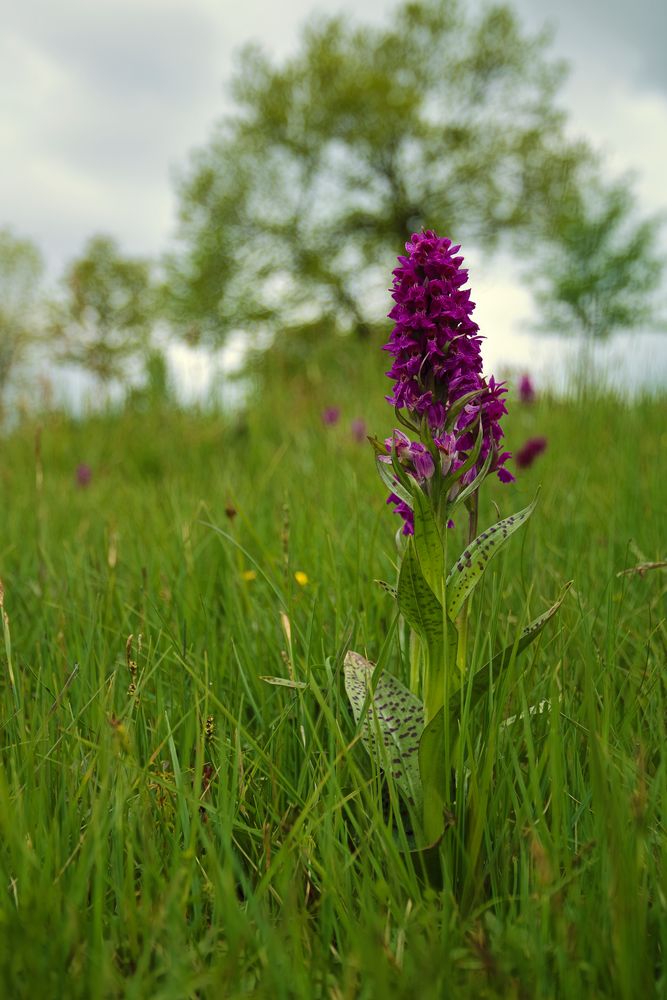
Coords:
181,828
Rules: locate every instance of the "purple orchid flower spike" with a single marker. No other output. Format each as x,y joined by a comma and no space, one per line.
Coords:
437,361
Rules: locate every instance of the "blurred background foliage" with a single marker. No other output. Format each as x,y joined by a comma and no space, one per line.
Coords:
21,269
291,217
106,312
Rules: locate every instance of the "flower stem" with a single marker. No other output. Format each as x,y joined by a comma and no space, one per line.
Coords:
462,624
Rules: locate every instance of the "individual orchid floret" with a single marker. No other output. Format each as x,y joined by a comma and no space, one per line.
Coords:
415,460
405,511
415,456
447,446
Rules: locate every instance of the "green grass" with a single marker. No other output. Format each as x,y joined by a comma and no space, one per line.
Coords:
142,857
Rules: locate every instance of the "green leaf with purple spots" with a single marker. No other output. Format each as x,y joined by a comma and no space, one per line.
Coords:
444,729
468,569
433,771
428,541
393,722
417,602
386,587
490,672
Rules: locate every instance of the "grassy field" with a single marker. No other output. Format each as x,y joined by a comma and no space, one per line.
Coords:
171,826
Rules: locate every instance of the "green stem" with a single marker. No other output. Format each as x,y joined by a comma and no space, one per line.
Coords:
415,653
462,623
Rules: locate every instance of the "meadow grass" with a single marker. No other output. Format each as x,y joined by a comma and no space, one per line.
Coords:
172,826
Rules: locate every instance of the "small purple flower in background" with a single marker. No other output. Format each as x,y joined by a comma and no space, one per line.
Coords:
330,415
358,429
528,452
526,389
84,474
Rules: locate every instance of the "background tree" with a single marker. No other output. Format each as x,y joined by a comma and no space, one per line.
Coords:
292,216
107,311
21,270
598,273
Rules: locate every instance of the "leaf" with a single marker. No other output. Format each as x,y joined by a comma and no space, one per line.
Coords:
392,484
491,671
428,541
539,709
432,755
643,568
425,615
442,671
475,484
285,682
396,715
417,602
377,446
457,407
468,570
433,774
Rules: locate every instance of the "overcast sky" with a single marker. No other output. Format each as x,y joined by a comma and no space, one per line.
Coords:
100,103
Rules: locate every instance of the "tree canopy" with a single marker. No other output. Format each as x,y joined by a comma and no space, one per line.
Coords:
106,312
293,214
21,269
598,273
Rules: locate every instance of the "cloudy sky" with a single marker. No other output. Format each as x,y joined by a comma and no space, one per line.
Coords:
100,104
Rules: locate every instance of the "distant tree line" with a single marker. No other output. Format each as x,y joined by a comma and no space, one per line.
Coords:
290,218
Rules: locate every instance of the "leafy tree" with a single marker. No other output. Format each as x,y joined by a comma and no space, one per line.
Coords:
21,269
292,215
157,390
105,315
602,265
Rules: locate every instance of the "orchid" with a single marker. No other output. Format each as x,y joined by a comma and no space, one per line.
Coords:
450,443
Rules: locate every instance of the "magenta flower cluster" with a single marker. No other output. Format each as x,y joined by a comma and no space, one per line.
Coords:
436,349
528,452
526,389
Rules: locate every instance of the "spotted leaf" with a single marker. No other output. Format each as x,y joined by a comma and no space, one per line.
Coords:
417,602
443,730
428,540
490,672
387,587
468,569
392,724
285,682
